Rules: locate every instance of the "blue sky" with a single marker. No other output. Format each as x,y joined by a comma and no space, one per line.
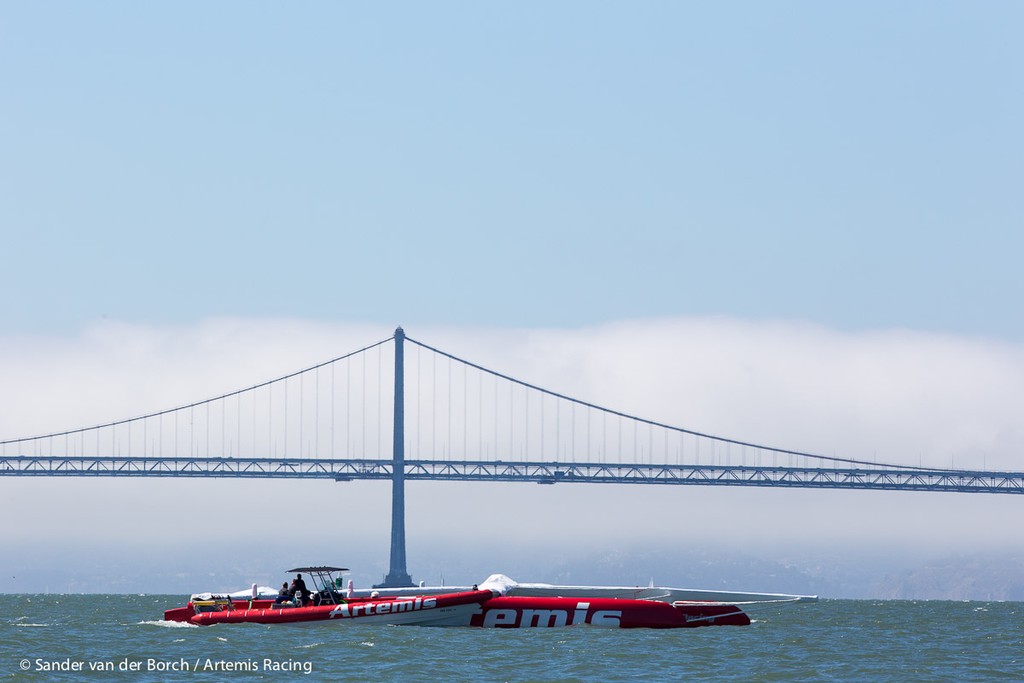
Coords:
795,223
551,164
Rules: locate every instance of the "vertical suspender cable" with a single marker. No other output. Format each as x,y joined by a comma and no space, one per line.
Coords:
465,412
480,418
419,401
362,444
316,412
348,404
590,454
450,445
333,366
619,454
380,394
636,442
433,405
302,414
495,437
558,429
665,431
526,418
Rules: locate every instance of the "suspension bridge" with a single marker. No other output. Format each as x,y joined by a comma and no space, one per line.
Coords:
466,423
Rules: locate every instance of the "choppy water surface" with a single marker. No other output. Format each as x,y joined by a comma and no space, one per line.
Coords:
123,638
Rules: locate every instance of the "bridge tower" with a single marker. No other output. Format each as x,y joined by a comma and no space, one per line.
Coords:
398,576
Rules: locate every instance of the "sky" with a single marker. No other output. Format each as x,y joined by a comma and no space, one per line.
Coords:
796,223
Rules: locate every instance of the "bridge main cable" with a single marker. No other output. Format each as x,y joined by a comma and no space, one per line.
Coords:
169,411
662,425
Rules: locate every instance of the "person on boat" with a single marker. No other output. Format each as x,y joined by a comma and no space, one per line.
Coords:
283,595
299,590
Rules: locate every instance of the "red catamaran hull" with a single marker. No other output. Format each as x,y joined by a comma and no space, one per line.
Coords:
530,612
480,609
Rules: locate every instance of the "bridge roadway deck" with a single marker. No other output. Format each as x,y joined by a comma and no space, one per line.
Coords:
962,481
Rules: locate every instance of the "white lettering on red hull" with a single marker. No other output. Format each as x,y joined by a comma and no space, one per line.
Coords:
510,617
347,611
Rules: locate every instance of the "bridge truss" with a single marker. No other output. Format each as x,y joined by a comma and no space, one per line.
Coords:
960,481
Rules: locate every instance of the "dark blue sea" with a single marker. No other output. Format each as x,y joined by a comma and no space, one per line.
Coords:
122,638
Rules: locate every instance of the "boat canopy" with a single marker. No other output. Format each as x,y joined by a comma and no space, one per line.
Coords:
310,570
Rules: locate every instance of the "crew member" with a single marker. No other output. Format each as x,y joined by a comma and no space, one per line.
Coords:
299,590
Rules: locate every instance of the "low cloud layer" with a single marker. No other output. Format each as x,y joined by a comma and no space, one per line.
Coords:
894,396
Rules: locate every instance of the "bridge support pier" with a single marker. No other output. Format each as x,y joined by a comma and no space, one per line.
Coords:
398,576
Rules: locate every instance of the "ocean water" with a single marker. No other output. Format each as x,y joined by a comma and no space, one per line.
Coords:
122,638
